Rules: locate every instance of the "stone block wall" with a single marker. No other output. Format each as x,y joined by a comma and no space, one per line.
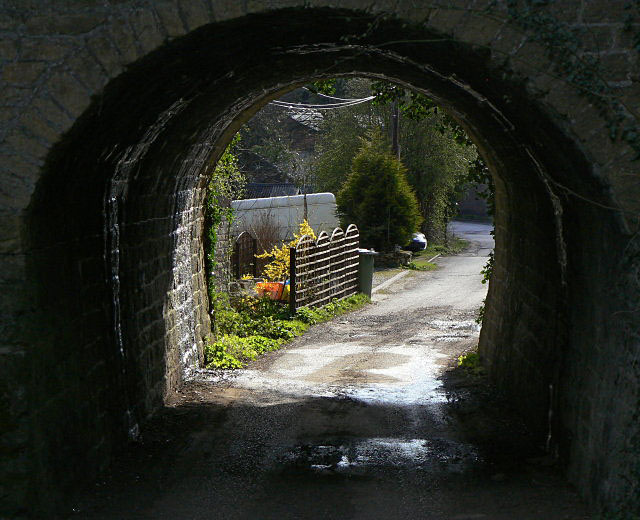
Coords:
110,113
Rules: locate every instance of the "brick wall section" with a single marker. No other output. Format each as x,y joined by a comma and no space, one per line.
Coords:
65,384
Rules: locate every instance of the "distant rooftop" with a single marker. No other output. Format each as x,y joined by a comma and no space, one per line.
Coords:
262,190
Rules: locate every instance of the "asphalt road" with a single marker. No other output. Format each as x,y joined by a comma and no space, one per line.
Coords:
362,418
477,233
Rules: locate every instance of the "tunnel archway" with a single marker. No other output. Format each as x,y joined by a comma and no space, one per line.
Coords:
115,225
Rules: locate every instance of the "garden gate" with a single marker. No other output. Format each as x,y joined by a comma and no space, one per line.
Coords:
243,259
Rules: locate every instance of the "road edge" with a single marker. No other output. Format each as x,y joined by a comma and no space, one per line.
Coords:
396,277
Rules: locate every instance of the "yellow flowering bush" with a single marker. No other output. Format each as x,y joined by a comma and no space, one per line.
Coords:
278,268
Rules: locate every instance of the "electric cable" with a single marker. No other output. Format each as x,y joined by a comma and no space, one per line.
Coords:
326,106
331,97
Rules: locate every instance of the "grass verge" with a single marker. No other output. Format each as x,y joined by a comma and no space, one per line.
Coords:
455,246
421,265
247,327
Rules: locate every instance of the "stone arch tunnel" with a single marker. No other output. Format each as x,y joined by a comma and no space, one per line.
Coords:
112,113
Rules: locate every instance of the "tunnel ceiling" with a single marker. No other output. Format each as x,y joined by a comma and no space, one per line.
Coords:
219,75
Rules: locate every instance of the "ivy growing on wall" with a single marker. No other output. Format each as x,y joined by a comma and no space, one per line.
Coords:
226,183
564,45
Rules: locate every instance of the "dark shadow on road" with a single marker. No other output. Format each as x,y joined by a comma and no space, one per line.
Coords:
219,454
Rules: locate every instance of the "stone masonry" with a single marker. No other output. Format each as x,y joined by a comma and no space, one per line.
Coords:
112,111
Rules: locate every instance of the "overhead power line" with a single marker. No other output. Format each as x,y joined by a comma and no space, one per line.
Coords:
325,106
331,97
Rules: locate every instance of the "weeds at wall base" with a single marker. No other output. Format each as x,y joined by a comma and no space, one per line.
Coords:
471,363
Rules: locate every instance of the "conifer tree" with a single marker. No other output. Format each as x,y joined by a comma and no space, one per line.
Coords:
378,198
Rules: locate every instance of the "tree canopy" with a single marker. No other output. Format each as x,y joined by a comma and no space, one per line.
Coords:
435,150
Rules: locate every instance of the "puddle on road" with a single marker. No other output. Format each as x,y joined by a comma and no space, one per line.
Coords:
426,338
469,325
363,335
451,337
424,391
447,331
362,456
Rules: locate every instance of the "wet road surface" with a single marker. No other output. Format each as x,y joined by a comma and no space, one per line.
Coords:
362,418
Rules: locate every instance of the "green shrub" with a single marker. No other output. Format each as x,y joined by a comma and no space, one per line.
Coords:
217,355
378,198
332,309
248,327
234,351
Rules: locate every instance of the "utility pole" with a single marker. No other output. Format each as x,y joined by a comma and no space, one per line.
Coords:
306,211
304,191
395,128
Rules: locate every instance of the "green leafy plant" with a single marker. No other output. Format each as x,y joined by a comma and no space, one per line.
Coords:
244,328
331,310
487,270
226,182
566,46
471,362
234,351
480,315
